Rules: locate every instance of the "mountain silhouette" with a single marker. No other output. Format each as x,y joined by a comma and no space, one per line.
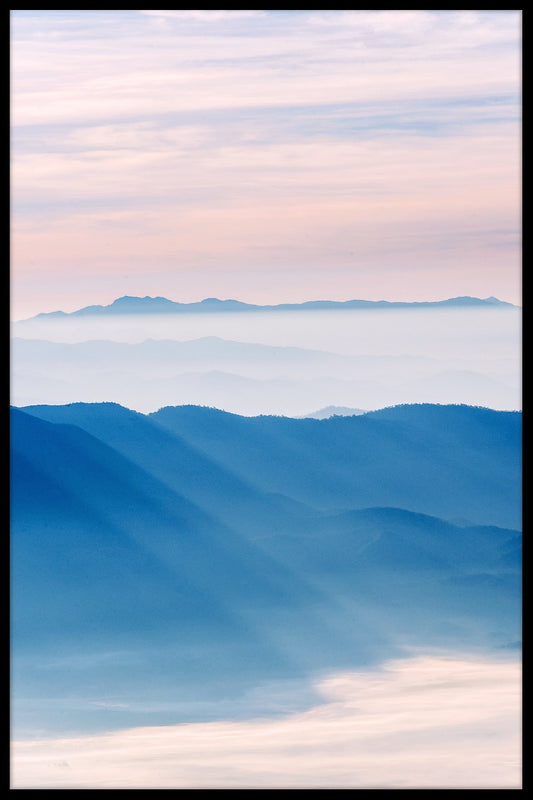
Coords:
161,305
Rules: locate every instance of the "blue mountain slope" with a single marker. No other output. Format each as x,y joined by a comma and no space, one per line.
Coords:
125,587
455,462
115,572
180,466
75,501
414,573
447,461
395,538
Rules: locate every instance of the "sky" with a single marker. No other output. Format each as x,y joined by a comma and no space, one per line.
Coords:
415,722
267,156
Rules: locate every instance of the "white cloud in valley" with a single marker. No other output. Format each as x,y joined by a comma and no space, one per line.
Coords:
426,721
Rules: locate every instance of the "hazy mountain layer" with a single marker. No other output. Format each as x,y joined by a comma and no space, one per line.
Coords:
332,411
187,556
161,305
248,378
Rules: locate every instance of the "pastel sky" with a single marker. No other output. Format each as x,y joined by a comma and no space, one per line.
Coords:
267,156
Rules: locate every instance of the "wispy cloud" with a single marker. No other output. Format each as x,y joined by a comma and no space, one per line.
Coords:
427,721
203,16
382,115
302,203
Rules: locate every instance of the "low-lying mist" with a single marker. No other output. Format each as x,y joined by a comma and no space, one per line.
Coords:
289,363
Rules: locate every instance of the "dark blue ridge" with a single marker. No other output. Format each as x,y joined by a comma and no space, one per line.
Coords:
448,461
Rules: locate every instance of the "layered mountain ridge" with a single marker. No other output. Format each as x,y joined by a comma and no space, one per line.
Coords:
190,554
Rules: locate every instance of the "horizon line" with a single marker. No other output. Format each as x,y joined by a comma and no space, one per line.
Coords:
97,308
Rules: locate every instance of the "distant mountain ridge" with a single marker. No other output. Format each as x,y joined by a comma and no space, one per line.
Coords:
334,411
161,305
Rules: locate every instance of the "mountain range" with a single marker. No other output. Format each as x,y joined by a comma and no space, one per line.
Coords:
188,556
161,305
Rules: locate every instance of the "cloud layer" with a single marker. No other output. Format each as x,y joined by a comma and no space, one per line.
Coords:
427,721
